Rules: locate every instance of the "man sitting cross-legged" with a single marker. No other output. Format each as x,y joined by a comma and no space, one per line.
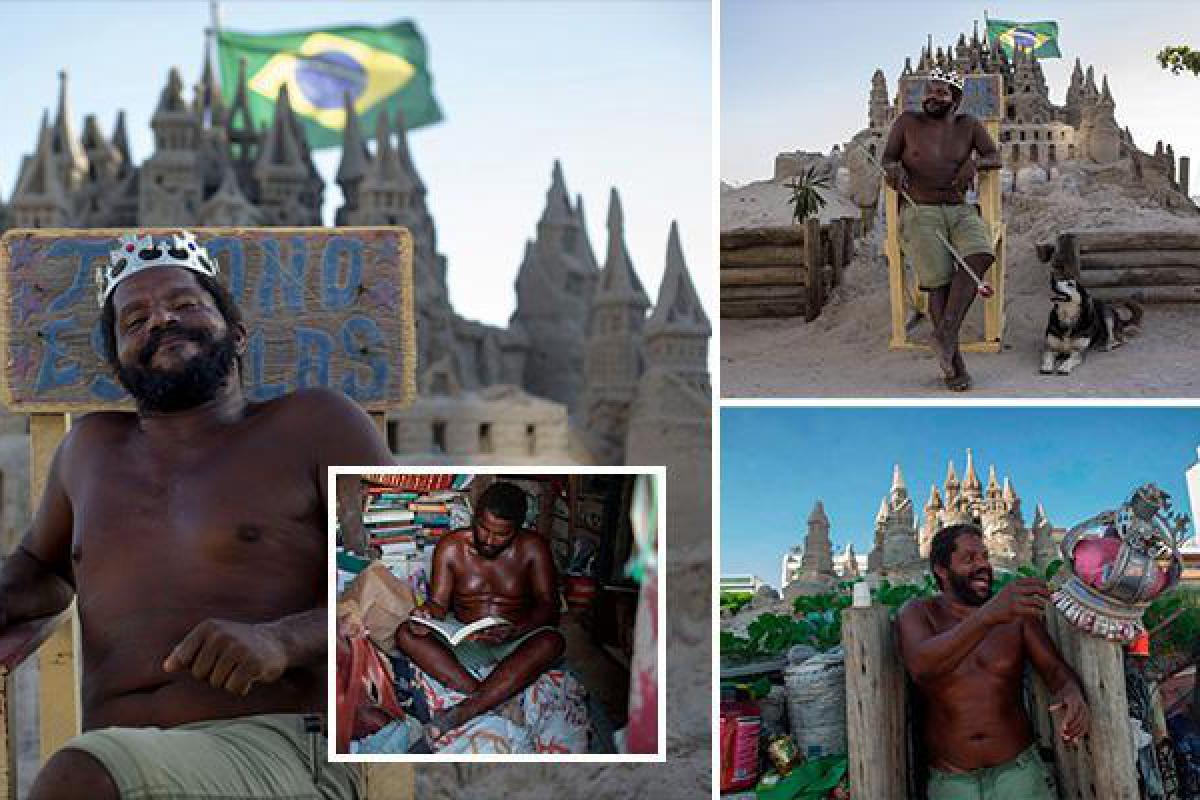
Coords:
494,568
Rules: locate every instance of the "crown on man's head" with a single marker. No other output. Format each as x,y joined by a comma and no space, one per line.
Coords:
947,76
135,253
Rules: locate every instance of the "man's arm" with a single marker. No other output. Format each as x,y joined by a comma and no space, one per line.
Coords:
342,433
36,580
893,169
1059,679
928,655
988,156
441,586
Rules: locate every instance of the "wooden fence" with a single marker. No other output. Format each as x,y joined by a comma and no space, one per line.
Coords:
1143,265
784,271
1102,767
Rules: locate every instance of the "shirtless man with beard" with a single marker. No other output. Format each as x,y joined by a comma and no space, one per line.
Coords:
933,155
966,651
192,536
494,568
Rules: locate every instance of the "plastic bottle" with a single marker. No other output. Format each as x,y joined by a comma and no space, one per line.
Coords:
741,724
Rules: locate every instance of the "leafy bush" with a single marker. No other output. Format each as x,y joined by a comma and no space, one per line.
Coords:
735,601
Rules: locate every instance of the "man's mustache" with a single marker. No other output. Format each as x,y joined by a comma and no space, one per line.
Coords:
157,336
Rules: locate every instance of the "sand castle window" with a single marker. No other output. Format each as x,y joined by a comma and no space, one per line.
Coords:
439,436
485,437
1050,154
531,439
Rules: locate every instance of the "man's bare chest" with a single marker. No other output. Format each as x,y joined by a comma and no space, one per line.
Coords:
999,653
937,144
492,577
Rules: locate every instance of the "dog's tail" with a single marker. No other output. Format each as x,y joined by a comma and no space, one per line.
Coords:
1135,313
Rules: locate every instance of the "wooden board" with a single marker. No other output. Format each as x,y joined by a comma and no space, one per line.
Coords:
1144,277
1150,259
764,276
323,307
763,293
983,96
753,237
749,309
763,256
1150,294
1107,240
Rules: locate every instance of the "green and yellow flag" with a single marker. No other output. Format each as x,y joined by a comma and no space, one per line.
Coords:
381,68
1040,38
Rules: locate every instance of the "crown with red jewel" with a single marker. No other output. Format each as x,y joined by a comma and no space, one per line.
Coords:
951,77
135,253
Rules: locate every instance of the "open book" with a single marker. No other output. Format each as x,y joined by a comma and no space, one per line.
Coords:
455,632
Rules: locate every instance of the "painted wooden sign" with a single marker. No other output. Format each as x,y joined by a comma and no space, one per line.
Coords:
326,307
983,96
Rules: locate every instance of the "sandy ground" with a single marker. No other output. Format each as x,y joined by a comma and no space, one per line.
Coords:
844,352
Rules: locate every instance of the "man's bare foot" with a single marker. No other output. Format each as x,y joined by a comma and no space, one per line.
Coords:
442,723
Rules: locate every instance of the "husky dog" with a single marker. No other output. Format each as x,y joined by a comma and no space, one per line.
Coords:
1079,321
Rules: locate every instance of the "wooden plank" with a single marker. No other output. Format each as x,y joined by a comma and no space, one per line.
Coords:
1106,240
876,708
1150,295
1068,256
993,307
390,781
837,241
895,259
1139,277
754,237
1149,259
763,256
798,293
323,307
58,674
812,261
752,309
763,276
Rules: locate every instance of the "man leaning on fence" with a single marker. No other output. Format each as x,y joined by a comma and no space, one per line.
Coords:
966,650
191,535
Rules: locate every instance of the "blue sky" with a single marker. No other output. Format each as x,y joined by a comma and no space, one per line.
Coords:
777,462
796,75
620,92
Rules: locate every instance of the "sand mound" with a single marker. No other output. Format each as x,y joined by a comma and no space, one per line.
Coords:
765,203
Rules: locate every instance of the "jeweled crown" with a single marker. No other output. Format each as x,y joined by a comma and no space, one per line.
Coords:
135,253
951,77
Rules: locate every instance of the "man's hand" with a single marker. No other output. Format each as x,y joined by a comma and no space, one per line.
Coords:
497,634
965,177
1023,597
230,655
896,176
1076,715
427,611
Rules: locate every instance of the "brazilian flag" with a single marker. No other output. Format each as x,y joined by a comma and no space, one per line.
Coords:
1040,38
381,68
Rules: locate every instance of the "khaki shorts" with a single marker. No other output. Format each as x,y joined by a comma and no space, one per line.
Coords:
273,756
1023,778
960,224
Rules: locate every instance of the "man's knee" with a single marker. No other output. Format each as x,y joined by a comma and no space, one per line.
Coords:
71,774
549,645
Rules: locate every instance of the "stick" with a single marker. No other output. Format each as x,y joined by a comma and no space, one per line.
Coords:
981,286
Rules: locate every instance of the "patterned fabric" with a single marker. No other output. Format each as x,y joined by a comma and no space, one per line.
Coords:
642,733
550,716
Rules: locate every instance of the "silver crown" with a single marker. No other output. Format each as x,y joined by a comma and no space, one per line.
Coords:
135,253
947,76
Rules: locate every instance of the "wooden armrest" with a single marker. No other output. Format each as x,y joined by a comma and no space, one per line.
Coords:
21,641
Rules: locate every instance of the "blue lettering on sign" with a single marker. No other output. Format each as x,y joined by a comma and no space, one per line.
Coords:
338,291
313,349
102,386
274,277
259,390
235,263
363,343
55,371
84,282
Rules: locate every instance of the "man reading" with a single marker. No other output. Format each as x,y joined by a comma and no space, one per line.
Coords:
966,651
495,568
933,155
192,536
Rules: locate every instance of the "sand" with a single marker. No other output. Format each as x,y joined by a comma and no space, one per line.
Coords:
844,352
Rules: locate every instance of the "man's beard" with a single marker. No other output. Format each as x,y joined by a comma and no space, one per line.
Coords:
962,588
488,551
936,109
194,383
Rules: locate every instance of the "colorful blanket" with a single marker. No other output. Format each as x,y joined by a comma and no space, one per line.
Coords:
550,716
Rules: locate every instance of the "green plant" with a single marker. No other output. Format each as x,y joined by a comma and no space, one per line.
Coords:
1178,58
735,601
806,200
1174,624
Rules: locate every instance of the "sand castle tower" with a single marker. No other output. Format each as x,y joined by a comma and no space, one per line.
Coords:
818,547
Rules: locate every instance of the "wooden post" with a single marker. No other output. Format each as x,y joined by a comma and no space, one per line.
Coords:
895,258
1185,166
58,675
1103,765
812,262
837,238
876,724
1069,255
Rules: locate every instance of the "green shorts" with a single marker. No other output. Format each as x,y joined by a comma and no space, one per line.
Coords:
1023,778
480,657
272,756
960,224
